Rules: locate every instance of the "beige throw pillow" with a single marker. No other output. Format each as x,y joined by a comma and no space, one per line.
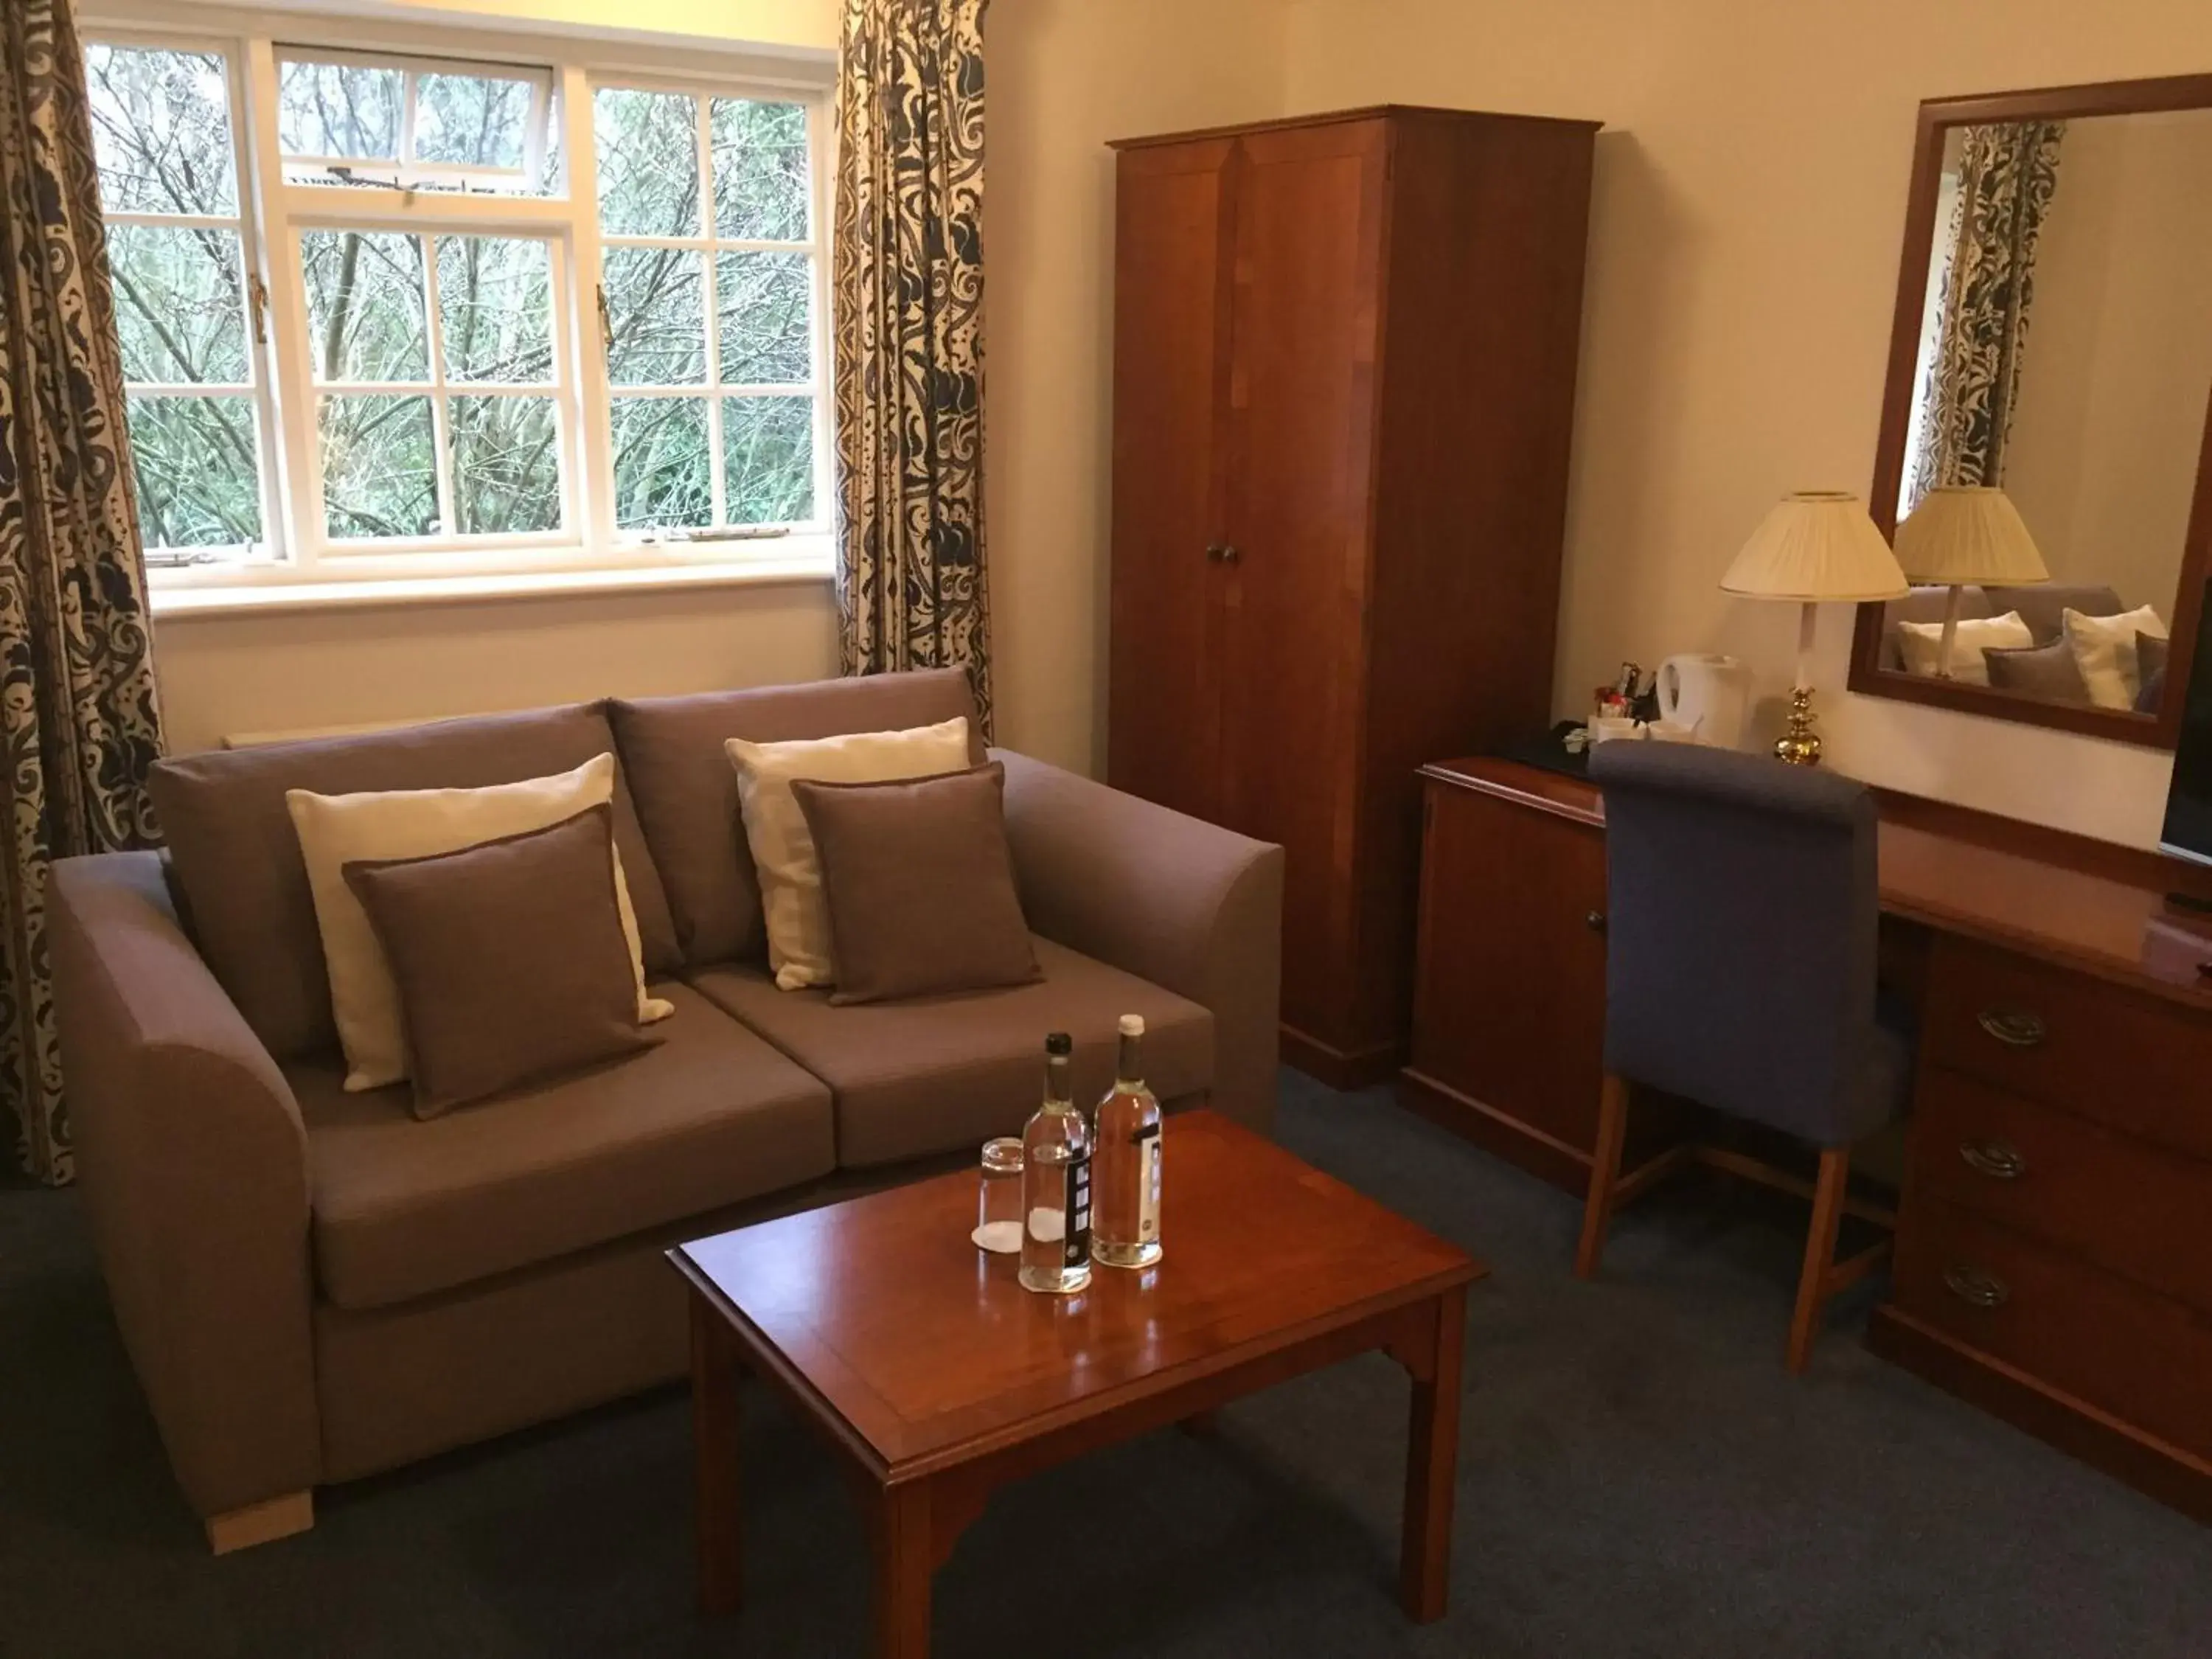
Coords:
335,830
783,849
1922,644
2104,651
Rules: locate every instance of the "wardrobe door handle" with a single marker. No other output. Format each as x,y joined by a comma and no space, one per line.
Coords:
2000,1160
1229,553
1213,552
2015,1027
1594,920
1975,1287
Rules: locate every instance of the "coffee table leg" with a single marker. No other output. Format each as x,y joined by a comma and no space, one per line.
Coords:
1432,1463
715,1443
906,1561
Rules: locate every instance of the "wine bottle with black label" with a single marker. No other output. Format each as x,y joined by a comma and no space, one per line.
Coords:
1056,1183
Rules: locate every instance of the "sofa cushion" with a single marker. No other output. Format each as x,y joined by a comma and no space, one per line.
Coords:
401,1209
687,791
937,1073
237,858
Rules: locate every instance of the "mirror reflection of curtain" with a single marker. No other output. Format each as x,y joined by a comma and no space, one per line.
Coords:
2007,176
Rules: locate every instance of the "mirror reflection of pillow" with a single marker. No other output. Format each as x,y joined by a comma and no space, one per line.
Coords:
2045,672
2150,666
2104,651
1923,645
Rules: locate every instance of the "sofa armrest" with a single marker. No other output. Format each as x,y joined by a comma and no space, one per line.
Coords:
193,1162
1195,908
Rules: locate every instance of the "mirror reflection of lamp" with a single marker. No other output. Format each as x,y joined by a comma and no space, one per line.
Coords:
1815,547
1962,534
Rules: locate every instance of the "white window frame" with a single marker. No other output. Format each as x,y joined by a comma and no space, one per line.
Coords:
297,561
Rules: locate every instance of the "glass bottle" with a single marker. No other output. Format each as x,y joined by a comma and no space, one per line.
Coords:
1056,1183
1125,1228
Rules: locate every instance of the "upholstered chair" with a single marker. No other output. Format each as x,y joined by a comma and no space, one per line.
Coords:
1742,915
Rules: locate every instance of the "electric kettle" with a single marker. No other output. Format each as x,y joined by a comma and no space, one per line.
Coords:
1709,694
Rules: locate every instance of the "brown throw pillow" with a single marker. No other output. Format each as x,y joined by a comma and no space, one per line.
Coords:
920,884
509,956
2150,673
2048,673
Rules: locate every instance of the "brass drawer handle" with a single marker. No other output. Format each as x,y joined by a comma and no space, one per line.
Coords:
2015,1027
2000,1160
1975,1287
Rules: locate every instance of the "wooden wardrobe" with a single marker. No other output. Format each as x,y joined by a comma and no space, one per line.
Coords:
1343,383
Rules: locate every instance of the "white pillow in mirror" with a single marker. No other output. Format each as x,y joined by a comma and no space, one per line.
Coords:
792,901
2104,651
1922,644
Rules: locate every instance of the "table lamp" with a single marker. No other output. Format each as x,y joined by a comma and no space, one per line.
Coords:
1816,546
1963,533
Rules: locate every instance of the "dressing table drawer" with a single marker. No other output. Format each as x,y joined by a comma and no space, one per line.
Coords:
2072,1041
2131,1208
2122,1349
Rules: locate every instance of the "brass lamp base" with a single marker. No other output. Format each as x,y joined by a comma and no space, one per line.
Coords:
1799,744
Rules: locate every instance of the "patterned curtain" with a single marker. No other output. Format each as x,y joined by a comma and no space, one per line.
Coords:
79,721
908,297
2007,175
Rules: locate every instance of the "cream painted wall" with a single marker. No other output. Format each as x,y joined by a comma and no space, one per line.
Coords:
1064,76
1749,200
2102,456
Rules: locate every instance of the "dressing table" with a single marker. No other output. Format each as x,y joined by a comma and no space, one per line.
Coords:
2054,1230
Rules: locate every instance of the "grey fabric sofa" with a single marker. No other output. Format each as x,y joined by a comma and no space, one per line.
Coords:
314,1286
2042,607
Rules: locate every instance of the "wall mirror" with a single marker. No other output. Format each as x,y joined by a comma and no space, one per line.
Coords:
2041,469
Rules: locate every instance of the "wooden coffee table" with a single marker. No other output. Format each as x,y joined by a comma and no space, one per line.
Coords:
939,1379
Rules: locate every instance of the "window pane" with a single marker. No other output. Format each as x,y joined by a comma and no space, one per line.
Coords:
765,300
338,110
496,308
378,477
768,459
648,145
179,304
760,170
160,128
660,464
365,305
653,314
474,120
507,468
199,483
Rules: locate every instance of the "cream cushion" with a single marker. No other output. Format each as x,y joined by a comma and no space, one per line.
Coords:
1923,645
335,831
792,900
2104,651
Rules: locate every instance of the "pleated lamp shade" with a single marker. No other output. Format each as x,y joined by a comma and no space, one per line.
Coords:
1816,544
1968,533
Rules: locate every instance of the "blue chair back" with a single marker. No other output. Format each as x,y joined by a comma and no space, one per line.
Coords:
1742,917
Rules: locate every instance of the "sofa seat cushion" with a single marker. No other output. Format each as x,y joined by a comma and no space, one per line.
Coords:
711,1116
934,1074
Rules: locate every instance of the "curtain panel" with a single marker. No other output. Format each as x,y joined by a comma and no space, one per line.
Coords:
907,288
79,722
2007,176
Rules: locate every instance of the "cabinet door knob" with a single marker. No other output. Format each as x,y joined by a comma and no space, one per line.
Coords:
2000,1160
1594,920
1976,1286
2013,1027
1214,552
1229,553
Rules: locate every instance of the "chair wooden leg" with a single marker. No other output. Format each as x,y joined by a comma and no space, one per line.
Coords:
1605,1174
1819,1276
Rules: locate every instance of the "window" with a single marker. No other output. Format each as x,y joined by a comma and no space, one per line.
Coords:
394,312
177,248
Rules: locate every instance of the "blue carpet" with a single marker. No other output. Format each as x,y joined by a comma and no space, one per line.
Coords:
1638,1477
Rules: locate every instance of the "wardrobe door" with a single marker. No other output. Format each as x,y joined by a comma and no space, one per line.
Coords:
1301,419
1164,710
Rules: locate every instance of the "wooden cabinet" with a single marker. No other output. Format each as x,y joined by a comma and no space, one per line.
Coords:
1344,371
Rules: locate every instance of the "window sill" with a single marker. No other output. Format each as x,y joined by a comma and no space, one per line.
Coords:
277,593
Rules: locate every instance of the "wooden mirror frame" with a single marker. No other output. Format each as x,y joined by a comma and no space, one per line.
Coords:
1869,677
